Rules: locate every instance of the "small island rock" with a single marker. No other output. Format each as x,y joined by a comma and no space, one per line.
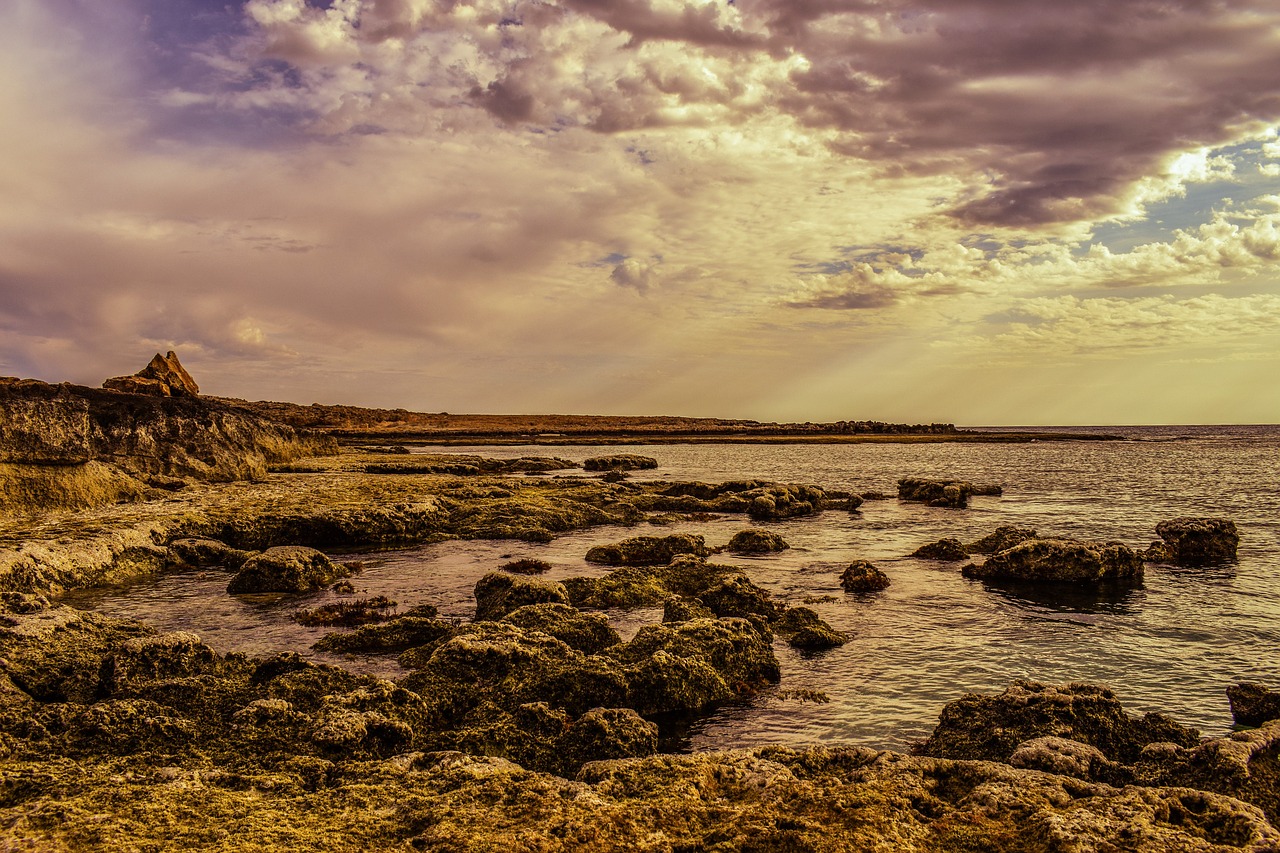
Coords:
756,542
861,576
1061,560
1199,541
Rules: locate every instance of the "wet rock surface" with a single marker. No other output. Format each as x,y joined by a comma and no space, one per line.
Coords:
497,594
1061,560
1199,541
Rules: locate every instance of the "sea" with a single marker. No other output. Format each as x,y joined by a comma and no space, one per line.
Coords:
1172,644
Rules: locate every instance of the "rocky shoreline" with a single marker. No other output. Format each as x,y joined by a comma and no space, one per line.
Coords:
533,725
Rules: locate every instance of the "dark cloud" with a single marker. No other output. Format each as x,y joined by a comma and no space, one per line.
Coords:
860,298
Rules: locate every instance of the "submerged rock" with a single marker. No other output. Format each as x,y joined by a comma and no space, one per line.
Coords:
1005,536
861,576
286,568
620,462
648,550
949,550
805,629
497,594
756,542
1253,704
1061,560
1199,541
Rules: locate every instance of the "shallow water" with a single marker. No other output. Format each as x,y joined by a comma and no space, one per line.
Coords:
1174,644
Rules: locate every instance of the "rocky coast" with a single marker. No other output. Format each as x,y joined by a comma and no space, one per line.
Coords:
531,725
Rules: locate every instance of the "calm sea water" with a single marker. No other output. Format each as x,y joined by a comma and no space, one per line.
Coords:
1173,644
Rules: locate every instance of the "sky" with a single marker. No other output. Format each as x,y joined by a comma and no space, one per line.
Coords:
967,211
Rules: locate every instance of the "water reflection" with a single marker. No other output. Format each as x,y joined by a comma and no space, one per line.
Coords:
1112,599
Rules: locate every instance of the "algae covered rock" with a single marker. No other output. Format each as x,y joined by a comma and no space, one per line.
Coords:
680,609
626,587
756,542
1005,536
589,633
948,550
1061,560
507,665
805,629
692,664
991,728
286,568
1253,704
620,462
791,501
497,594
1066,757
1199,541
862,576
648,550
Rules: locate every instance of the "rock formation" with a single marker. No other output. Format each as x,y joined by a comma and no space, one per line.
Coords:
949,550
71,447
861,576
164,376
1061,560
1199,541
753,541
945,493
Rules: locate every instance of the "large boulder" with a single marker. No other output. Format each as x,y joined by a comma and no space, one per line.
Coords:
498,593
1061,560
861,576
648,550
991,728
1199,541
286,568
164,376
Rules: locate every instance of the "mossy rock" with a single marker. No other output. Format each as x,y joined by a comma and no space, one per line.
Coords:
498,593
754,541
805,629
946,550
648,550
